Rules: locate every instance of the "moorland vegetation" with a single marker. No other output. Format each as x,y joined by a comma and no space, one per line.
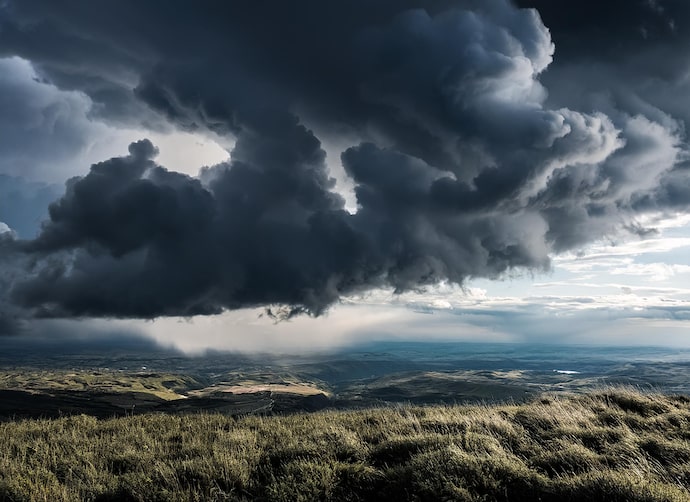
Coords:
613,444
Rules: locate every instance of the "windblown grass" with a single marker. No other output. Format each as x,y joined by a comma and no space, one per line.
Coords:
611,445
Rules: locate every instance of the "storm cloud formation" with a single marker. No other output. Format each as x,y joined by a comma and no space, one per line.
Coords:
465,164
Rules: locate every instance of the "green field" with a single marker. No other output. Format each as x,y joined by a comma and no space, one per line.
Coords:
609,445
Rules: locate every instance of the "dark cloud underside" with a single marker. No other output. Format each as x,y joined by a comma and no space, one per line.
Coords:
468,155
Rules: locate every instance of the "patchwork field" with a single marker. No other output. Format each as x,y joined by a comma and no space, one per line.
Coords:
163,386
115,384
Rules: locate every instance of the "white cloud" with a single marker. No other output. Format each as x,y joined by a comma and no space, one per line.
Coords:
631,248
653,271
184,152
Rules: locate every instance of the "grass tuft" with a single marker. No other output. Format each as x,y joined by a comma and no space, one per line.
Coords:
611,445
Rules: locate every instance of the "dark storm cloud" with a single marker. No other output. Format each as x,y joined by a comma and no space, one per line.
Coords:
588,31
628,59
11,267
463,166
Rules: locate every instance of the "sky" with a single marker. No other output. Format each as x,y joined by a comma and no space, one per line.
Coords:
302,176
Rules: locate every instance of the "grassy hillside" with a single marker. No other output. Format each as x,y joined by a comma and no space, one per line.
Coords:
162,385
612,445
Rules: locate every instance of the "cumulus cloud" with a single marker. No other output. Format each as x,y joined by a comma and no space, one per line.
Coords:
462,164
